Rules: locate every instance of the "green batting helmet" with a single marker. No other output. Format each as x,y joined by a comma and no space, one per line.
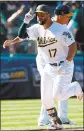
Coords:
43,8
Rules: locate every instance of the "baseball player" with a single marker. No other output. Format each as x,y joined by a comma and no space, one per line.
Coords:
62,16
57,47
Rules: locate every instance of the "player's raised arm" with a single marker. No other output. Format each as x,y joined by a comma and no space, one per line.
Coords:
22,30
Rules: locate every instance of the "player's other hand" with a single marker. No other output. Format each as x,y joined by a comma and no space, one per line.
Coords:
63,67
7,43
29,16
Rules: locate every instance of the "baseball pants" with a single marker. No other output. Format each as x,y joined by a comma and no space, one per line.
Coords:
62,87
62,105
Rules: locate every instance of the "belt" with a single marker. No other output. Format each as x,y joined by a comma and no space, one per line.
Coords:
56,64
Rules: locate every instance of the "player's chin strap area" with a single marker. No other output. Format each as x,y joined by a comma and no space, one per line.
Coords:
53,114
56,64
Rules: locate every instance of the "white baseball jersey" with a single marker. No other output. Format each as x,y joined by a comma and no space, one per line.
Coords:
52,42
53,47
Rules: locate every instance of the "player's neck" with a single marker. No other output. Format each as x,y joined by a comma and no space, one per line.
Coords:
48,24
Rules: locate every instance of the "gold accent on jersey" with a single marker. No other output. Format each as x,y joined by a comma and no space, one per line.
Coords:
43,41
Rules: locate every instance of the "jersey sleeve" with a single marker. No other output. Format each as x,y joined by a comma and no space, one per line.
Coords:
32,32
67,38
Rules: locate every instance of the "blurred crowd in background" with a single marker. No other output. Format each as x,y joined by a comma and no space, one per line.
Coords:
12,14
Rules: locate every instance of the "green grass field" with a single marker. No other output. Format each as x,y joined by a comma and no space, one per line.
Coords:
23,114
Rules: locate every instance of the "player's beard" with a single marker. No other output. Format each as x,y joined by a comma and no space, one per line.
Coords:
42,22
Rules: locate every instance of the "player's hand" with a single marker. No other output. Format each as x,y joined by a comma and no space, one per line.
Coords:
7,43
29,16
63,67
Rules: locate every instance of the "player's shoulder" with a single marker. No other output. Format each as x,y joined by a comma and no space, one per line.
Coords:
37,26
67,28
59,26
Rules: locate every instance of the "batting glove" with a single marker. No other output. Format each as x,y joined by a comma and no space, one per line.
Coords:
29,16
63,67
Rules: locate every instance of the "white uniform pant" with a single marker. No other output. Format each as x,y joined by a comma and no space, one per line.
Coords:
62,87
63,109
62,105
